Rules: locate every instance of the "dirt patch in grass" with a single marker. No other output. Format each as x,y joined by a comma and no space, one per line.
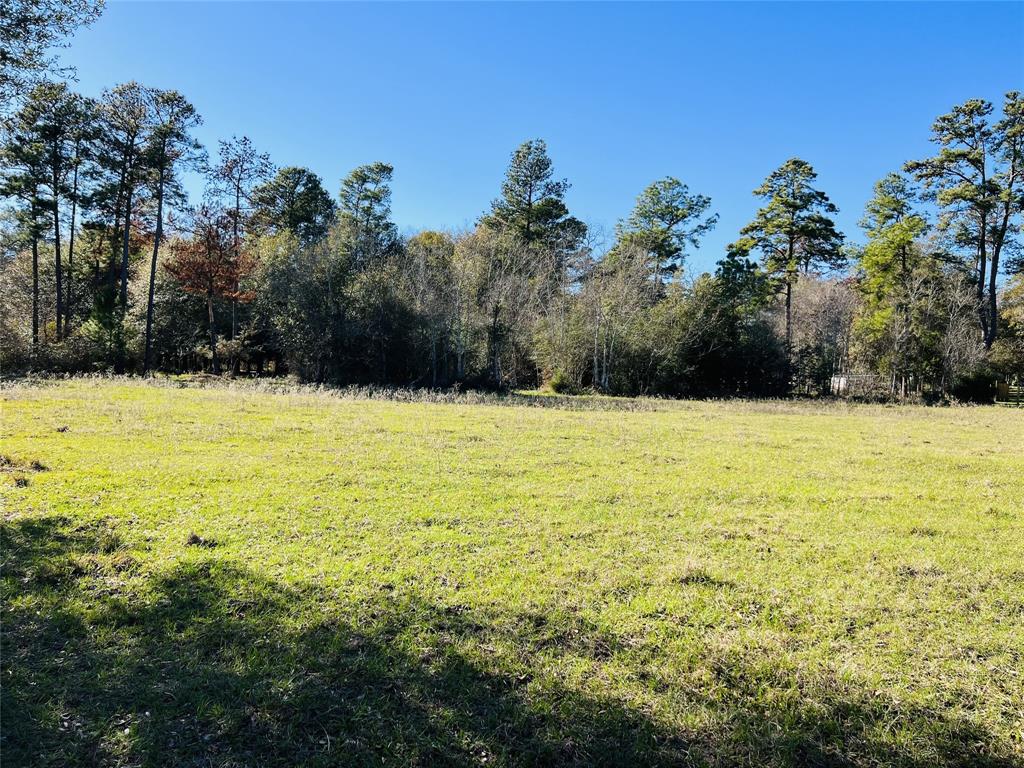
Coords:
195,540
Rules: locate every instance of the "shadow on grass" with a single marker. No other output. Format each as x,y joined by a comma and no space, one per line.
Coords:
211,664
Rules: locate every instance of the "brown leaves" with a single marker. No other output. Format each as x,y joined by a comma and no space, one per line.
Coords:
211,262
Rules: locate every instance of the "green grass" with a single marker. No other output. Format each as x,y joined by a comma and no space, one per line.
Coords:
233,577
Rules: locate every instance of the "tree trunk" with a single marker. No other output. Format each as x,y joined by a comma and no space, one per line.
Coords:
789,321
460,343
236,244
791,272
433,359
492,338
148,359
71,248
35,295
993,313
609,358
116,233
997,247
59,287
382,334
214,363
982,267
112,270
125,243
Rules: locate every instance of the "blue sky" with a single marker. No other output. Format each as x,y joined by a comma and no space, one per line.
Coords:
715,94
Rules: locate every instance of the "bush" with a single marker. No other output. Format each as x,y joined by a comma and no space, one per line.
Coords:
561,383
977,387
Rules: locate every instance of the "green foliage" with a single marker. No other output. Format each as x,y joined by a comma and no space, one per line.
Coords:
1007,356
896,279
531,206
364,213
441,308
910,327
24,166
239,170
29,31
339,297
179,325
561,383
108,335
975,180
294,201
171,148
794,231
745,286
302,304
666,219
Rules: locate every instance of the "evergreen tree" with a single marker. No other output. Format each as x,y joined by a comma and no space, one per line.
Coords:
532,204
84,119
667,218
977,180
46,117
54,120
29,31
127,121
364,213
24,175
901,282
240,170
294,201
171,148
794,231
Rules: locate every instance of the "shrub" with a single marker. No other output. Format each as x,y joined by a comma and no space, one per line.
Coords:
561,383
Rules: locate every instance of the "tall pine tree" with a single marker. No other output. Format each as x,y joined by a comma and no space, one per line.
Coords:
794,231
171,148
532,203
977,180
666,220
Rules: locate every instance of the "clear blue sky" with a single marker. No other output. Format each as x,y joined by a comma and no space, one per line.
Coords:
715,94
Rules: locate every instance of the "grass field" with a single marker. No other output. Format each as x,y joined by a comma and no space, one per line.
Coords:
232,577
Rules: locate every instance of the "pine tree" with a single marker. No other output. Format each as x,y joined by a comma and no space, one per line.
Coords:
794,232
977,180
29,31
667,218
127,122
891,267
532,204
294,201
240,170
24,176
170,148
365,213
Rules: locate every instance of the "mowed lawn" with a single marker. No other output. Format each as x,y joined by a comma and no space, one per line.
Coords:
232,577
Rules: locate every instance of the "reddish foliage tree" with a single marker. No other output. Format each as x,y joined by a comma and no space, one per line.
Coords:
210,264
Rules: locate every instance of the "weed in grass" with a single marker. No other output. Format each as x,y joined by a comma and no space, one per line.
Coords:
700,577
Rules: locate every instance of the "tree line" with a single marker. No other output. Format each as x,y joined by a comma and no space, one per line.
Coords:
107,265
